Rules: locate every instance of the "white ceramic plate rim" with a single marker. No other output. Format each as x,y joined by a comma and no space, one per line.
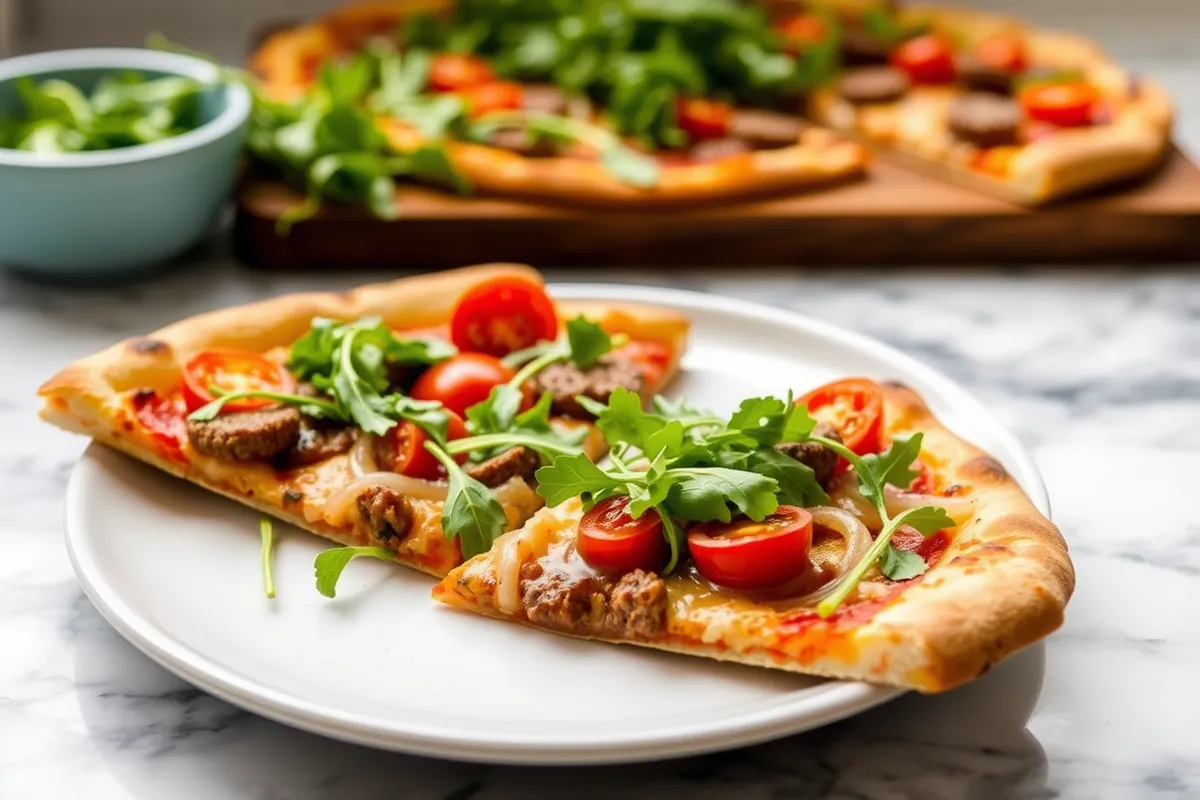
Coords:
236,110
835,700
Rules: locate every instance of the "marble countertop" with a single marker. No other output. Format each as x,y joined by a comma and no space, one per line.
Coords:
1098,372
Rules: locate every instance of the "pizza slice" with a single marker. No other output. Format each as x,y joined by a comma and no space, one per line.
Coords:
862,540
988,102
626,104
407,417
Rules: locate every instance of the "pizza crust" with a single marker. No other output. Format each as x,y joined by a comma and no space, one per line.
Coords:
1001,585
89,396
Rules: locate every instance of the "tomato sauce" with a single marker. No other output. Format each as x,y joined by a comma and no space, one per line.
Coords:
161,417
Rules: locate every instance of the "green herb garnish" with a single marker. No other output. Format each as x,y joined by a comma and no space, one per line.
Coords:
267,532
330,564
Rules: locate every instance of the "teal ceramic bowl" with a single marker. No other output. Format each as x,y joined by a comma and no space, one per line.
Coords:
101,215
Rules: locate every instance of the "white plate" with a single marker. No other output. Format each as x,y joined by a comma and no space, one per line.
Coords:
176,571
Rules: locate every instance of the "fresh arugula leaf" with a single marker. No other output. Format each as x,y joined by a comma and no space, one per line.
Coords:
330,564
267,532
624,420
893,465
761,419
497,413
798,486
471,513
429,415
587,342
537,416
704,493
901,565
666,442
571,476
676,540
928,520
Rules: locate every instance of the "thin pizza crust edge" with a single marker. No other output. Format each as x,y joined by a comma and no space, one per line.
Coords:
1002,585
86,396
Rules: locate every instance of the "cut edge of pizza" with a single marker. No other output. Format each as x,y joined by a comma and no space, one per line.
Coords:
314,472
1061,118
995,582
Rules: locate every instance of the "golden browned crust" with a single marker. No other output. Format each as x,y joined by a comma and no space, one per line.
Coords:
1002,585
1067,163
89,396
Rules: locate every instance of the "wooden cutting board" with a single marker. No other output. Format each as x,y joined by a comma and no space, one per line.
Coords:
893,216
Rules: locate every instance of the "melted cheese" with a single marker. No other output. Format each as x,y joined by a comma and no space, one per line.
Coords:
528,544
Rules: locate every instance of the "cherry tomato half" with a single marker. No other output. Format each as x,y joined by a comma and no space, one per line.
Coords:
503,316
1067,105
745,554
234,371
855,407
402,449
461,381
494,96
703,119
612,541
652,358
802,31
926,59
1005,52
452,72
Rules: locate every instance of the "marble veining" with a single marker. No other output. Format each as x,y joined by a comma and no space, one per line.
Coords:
1098,372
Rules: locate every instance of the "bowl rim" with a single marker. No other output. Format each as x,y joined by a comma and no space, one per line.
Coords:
235,113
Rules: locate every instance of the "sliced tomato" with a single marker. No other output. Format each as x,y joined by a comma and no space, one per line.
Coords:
453,72
503,316
494,96
652,358
461,381
1005,52
855,407
234,371
927,59
703,119
162,417
750,555
612,541
402,449
930,548
1067,105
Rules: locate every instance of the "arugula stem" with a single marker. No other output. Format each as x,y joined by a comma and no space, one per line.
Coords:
446,461
489,440
616,459
531,369
837,447
210,411
850,580
267,531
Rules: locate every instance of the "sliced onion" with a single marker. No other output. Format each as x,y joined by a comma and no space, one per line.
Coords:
337,507
362,456
858,541
847,495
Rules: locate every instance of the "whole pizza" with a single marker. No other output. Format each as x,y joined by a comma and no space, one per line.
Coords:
520,449
643,102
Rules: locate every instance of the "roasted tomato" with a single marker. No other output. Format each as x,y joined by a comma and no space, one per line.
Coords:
402,449
162,417
234,371
612,541
1067,105
494,96
703,119
652,358
461,381
453,72
926,481
749,555
503,316
926,59
1005,52
855,407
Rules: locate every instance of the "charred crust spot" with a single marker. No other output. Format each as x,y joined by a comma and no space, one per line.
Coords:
142,395
128,426
148,347
986,468
896,385
953,490
291,496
